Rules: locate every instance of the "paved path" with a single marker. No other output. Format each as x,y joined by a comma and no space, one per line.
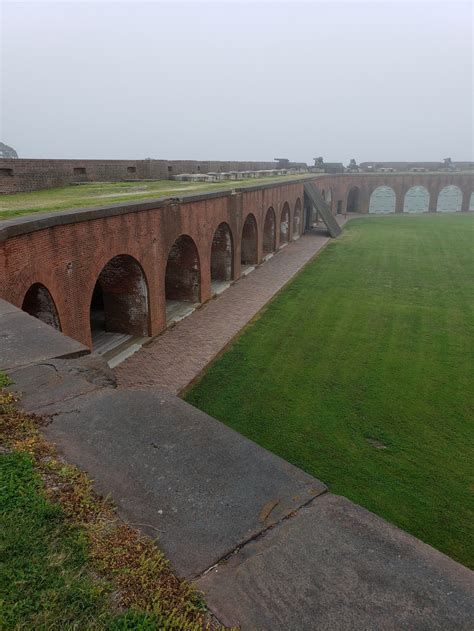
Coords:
180,354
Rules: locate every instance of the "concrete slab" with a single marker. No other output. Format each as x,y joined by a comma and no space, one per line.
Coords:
6,307
177,472
55,382
336,566
217,287
177,310
25,340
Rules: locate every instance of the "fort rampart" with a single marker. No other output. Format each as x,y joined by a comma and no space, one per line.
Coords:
143,255
20,175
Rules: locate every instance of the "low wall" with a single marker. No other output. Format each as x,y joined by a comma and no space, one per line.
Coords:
20,175
66,252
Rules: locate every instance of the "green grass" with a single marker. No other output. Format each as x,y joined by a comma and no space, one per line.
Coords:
42,578
103,194
45,580
373,341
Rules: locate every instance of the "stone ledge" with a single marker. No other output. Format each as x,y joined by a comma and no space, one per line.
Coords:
25,340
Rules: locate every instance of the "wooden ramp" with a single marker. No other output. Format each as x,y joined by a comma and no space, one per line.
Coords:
323,209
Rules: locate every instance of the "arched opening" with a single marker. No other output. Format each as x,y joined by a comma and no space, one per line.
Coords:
382,200
183,279
285,224
449,199
269,232
417,200
39,303
249,244
471,202
329,196
222,252
119,304
353,200
297,220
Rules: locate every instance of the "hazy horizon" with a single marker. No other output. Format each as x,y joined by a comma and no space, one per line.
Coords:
238,81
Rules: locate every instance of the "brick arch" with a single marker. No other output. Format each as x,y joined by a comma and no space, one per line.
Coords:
285,223
119,300
353,199
382,199
416,199
39,302
297,219
222,253
269,232
249,241
327,194
183,271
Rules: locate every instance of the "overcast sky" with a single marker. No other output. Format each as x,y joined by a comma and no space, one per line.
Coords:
254,81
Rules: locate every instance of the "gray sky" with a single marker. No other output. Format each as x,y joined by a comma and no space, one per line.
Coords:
255,81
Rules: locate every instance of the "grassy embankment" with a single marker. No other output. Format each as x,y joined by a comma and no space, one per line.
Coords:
103,194
361,373
67,561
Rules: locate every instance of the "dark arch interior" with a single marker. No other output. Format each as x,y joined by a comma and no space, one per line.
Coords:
353,200
183,278
269,232
248,250
221,254
119,304
39,303
285,224
297,220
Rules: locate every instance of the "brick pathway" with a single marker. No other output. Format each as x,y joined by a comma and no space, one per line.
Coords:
180,354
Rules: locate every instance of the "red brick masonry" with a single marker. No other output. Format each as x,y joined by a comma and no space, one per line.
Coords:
66,251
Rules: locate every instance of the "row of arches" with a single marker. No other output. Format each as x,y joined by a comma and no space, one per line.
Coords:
119,304
416,199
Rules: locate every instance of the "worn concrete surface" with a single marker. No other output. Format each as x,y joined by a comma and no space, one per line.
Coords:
49,383
25,340
336,566
199,486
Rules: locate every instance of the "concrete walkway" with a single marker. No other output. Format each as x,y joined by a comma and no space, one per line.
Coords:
180,354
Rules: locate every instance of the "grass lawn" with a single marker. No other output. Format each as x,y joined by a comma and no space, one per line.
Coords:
361,372
103,194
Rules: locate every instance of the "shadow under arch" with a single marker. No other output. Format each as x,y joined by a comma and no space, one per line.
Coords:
222,255
39,303
353,200
119,303
182,278
249,242
297,219
269,232
285,223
